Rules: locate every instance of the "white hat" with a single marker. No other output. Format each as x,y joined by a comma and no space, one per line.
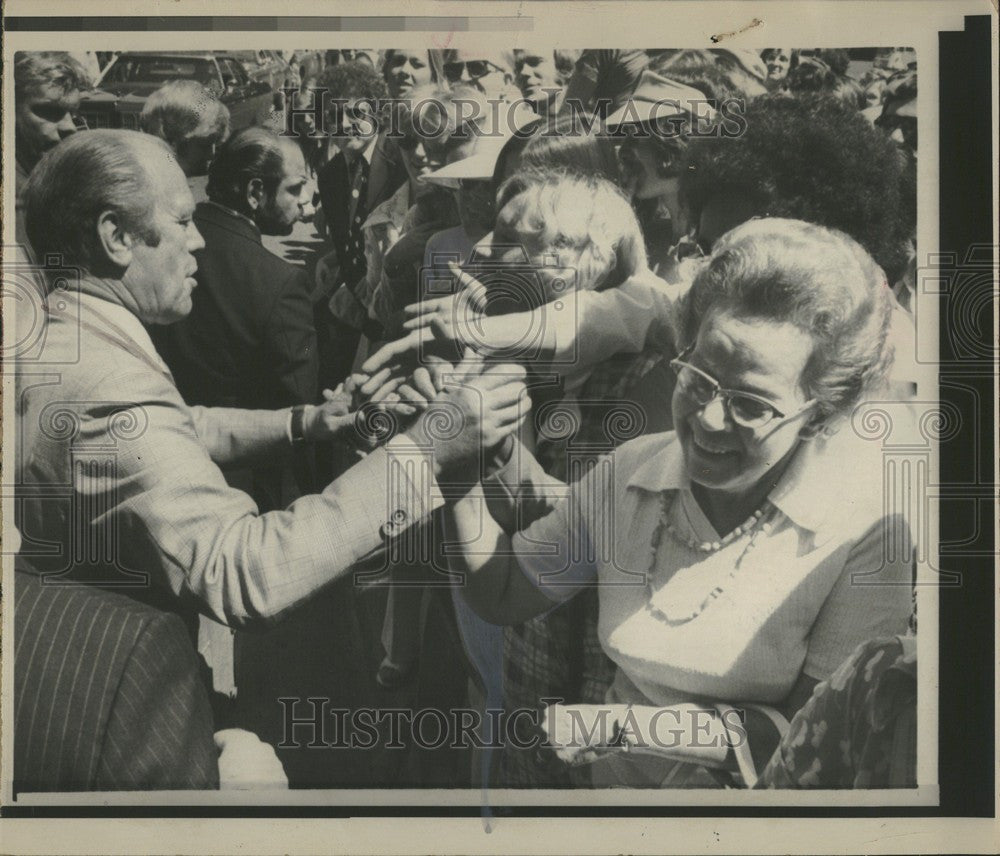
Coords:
658,97
483,161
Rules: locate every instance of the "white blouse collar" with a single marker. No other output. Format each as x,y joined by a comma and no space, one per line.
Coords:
822,485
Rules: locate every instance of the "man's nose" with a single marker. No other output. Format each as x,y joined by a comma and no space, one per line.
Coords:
195,240
713,416
66,125
306,204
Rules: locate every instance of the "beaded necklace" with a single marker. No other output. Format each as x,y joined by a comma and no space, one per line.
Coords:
751,524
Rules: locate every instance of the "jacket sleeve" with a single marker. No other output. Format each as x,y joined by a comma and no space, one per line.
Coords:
173,516
290,342
520,491
159,732
238,437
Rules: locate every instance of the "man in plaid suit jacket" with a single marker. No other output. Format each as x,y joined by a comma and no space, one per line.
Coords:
119,480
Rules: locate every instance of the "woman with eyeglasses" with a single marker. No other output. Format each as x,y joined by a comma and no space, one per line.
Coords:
741,557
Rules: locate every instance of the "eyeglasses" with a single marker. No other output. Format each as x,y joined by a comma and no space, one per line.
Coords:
744,408
54,112
476,67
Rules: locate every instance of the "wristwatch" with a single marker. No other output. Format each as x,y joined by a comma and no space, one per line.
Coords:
297,424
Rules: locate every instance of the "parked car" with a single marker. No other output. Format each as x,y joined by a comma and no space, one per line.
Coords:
263,65
132,76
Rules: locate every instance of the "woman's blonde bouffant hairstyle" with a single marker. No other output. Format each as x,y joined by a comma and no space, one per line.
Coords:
584,221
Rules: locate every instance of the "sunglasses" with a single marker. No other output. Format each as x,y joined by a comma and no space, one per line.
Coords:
53,112
476,68
745,408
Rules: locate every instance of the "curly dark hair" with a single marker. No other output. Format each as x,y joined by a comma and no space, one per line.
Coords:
810,158
815,76
838,59
355,79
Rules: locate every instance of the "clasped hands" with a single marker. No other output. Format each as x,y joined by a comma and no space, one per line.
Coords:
455,411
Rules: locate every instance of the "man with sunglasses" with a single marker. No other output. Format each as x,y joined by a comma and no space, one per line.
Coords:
487,71
47,86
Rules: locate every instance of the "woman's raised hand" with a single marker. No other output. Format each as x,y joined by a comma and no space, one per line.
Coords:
441,324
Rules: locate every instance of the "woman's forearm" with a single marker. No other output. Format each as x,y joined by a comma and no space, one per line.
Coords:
494,585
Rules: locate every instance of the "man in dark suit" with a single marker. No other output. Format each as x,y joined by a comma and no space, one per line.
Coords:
107,693
343,185
249,340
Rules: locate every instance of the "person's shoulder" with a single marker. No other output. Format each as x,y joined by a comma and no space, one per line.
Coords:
851,468
658,453
96,369
331,167
221,228
32,588
447,240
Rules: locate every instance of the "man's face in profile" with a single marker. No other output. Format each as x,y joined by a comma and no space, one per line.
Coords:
291,198
43,118
160,275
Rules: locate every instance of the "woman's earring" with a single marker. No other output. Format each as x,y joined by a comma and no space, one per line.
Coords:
819,429
816,429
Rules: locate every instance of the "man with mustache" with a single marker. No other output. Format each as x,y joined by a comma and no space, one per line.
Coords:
249,340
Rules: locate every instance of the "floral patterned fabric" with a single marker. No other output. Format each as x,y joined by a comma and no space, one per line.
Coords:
859,728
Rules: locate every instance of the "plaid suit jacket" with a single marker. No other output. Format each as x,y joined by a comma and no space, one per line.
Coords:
119,481
107,694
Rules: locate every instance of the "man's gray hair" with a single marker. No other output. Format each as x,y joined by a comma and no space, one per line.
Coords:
178,109
81,178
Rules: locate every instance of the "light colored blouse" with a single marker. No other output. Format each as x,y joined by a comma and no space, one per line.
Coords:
830,571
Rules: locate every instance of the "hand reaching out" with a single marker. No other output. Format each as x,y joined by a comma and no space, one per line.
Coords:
331,421
246,762
478,407
441,325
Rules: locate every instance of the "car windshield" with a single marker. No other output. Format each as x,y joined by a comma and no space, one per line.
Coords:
251,56
160,69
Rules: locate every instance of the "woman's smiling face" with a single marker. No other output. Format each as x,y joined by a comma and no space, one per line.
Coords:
765,358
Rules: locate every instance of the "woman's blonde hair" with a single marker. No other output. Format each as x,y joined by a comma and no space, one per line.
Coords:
585,222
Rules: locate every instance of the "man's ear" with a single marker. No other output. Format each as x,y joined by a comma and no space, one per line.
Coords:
255,194
114,240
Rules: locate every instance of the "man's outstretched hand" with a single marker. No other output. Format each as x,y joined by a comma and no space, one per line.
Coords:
478,407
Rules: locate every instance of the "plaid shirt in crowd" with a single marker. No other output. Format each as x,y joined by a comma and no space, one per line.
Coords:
558,655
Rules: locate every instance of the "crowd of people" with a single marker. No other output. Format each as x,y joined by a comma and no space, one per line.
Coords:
555,427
